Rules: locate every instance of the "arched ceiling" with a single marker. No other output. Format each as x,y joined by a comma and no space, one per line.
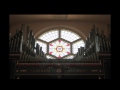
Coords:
14,19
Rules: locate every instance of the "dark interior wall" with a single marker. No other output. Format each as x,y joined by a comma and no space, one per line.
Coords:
84,27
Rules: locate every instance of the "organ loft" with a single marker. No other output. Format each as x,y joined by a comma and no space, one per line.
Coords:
60,47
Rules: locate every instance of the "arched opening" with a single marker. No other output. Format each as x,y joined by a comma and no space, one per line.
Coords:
60,41
83,36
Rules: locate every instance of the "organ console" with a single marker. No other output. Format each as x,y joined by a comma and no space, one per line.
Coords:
27,61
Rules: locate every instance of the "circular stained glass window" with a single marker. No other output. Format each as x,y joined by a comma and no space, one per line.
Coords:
59,48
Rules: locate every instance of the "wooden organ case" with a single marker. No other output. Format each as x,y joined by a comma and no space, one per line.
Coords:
91,62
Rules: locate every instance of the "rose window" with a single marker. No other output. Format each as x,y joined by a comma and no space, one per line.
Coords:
59,48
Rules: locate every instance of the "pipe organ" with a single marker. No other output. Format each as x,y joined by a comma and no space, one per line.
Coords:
28,61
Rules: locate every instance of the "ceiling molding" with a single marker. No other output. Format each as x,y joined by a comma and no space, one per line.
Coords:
15,19
59,17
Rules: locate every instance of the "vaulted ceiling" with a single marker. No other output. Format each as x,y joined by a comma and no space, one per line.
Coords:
14,19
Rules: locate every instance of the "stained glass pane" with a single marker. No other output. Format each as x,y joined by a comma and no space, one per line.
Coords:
59,48
49,57
77,45
69,57
69,36
49,36
43,45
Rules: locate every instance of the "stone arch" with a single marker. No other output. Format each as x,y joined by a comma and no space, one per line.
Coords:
73,29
